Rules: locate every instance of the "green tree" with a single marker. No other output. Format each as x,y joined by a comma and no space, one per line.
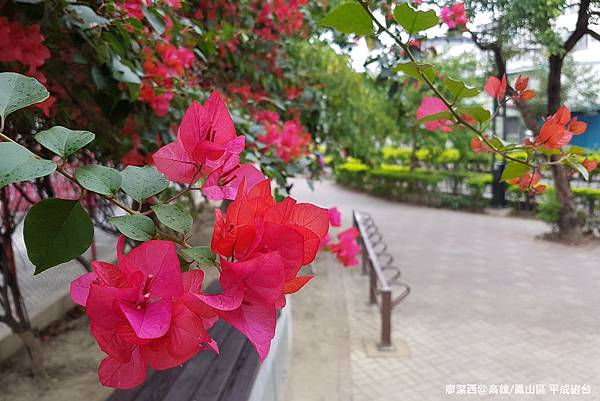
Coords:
531,26
348,113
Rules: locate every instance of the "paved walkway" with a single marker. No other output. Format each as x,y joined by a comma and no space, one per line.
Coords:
490,305
50,286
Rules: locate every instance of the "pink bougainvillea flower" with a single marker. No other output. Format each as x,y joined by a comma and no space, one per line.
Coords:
496,87
207,131
432,105
144,312
175,163
454,16
224,181
335,217
250,291
206,145
347,248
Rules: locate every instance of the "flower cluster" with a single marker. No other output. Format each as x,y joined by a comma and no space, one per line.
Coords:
262,245
432,105
347,247
207,146
160,72
454,16
529,183
289,140
25,45
558,130
144,312
279,17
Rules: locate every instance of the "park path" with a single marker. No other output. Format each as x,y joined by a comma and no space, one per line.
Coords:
490,305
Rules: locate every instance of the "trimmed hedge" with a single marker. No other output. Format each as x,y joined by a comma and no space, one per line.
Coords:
439,188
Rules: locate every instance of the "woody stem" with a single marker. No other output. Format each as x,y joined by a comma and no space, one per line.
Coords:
71,178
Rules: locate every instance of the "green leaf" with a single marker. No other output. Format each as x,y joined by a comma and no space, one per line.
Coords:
348,18
124,73
135,226
143,182
63,141
514,170
85,17
442,115
56,231
480,114
99,179
498,142
459,89
174,217
576,150
18,91
414,21
574,164
412,70
201,254
19,164
154,20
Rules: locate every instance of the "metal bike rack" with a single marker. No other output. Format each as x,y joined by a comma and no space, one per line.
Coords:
384,277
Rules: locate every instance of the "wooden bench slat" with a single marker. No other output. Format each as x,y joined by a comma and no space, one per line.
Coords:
243,377
212,385
183,388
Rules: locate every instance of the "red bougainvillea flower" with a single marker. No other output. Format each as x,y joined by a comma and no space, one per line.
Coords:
558,129
589,165
521,91
23,44
432,105
335,217
479,146
529,183
553,135
347,248
290,141
496,87
270,242
144,312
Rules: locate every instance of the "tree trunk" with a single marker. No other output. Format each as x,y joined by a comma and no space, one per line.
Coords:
36,353
16,316
568,223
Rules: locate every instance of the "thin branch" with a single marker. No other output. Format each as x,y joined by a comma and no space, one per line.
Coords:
437,92
71,178
593,34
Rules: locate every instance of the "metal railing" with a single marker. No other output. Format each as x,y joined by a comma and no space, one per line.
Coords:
384,277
